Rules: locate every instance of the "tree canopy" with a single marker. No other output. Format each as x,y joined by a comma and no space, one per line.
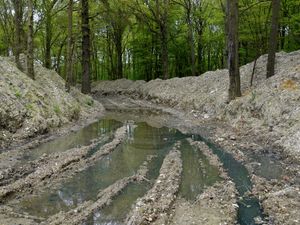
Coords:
147,39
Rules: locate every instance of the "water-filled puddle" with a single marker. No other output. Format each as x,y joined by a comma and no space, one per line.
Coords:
116,212
122,162
74,139
142,141
197,172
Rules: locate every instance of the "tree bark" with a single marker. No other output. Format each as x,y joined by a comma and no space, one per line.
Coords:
118,42
17,21
48,34
86,82
165,52
273,41
69,74
233,56
191,36
30,57
164,38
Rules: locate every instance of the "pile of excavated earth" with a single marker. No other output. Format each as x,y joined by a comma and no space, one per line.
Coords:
33,107
269,106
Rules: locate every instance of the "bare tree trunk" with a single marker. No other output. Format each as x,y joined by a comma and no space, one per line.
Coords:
86,82
273,41
233,57
118,43
18,20
48,34
164,39
191,36
165,52
30,58
69,74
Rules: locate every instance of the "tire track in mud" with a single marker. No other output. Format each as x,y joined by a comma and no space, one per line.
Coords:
104,199
216,205
60,166
160,197
14,173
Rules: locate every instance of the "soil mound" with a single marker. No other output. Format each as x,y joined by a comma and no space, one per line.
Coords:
270,107
31,107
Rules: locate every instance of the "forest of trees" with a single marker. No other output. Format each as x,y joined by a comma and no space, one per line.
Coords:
146,39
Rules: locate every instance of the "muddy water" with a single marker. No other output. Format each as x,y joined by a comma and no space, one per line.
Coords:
141,142
197,172
116,212
124,161
78,138
249,207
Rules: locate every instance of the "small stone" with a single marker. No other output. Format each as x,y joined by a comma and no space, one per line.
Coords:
233,138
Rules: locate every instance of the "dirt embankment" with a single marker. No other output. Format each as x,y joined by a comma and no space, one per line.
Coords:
32,107
269,109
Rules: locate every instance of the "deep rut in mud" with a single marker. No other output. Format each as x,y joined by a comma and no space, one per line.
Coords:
143,178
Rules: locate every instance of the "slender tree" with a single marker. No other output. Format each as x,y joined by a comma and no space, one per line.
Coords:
30,57
86,82
17,22
233,56
273,41
48,6
69,72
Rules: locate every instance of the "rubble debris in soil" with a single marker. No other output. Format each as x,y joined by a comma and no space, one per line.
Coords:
280,199
217,205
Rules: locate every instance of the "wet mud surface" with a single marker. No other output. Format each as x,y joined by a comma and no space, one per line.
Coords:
146,164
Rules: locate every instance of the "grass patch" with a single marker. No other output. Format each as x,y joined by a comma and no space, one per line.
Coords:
57,109
90,102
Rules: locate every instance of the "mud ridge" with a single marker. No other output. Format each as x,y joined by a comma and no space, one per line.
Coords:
216,205
61,166
157,201
16,172
104,198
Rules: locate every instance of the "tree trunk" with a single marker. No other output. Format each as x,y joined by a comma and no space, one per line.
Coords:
273,41
191,39
233,57
48,34
69,74
165,52
86,82
18,20
164,38
118,42
30,58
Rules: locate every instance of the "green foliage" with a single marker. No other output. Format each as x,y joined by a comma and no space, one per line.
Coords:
29,107
138,23
18,94
90,102
57,109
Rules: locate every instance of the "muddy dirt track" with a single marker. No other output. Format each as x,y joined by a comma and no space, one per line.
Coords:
152,186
